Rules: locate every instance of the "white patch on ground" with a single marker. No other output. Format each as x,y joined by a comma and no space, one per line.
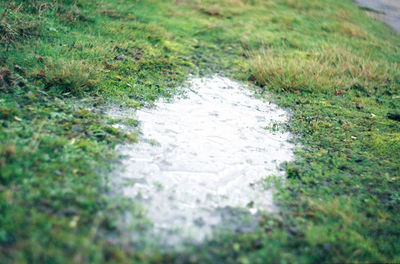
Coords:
201,153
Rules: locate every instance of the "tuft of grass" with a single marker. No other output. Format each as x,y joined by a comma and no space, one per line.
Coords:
69,77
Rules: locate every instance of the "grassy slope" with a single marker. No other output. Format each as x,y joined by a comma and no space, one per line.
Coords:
337,69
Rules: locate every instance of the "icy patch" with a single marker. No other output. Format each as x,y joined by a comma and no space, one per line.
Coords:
202,154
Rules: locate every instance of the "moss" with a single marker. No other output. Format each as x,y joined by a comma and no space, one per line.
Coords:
387,144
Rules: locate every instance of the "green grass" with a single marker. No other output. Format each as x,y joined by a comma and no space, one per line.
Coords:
332,65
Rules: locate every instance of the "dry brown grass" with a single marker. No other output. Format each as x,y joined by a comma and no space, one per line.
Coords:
325,69
304,5
223,8
352,30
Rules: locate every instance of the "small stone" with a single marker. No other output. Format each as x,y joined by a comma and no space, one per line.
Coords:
257,244
77,128
339,93
394,116
119,57
327,247
19,69
359,106
293,230
69,211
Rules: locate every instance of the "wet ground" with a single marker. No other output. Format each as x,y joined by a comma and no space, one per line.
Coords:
386,10
202,159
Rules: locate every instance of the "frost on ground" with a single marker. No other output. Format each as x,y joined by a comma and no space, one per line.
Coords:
202,157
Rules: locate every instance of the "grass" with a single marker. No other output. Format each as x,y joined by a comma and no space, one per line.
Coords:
335,68
326,69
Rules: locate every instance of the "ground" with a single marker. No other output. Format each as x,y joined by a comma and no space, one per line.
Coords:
334,67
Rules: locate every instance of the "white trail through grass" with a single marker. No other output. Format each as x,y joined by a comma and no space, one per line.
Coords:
202,153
